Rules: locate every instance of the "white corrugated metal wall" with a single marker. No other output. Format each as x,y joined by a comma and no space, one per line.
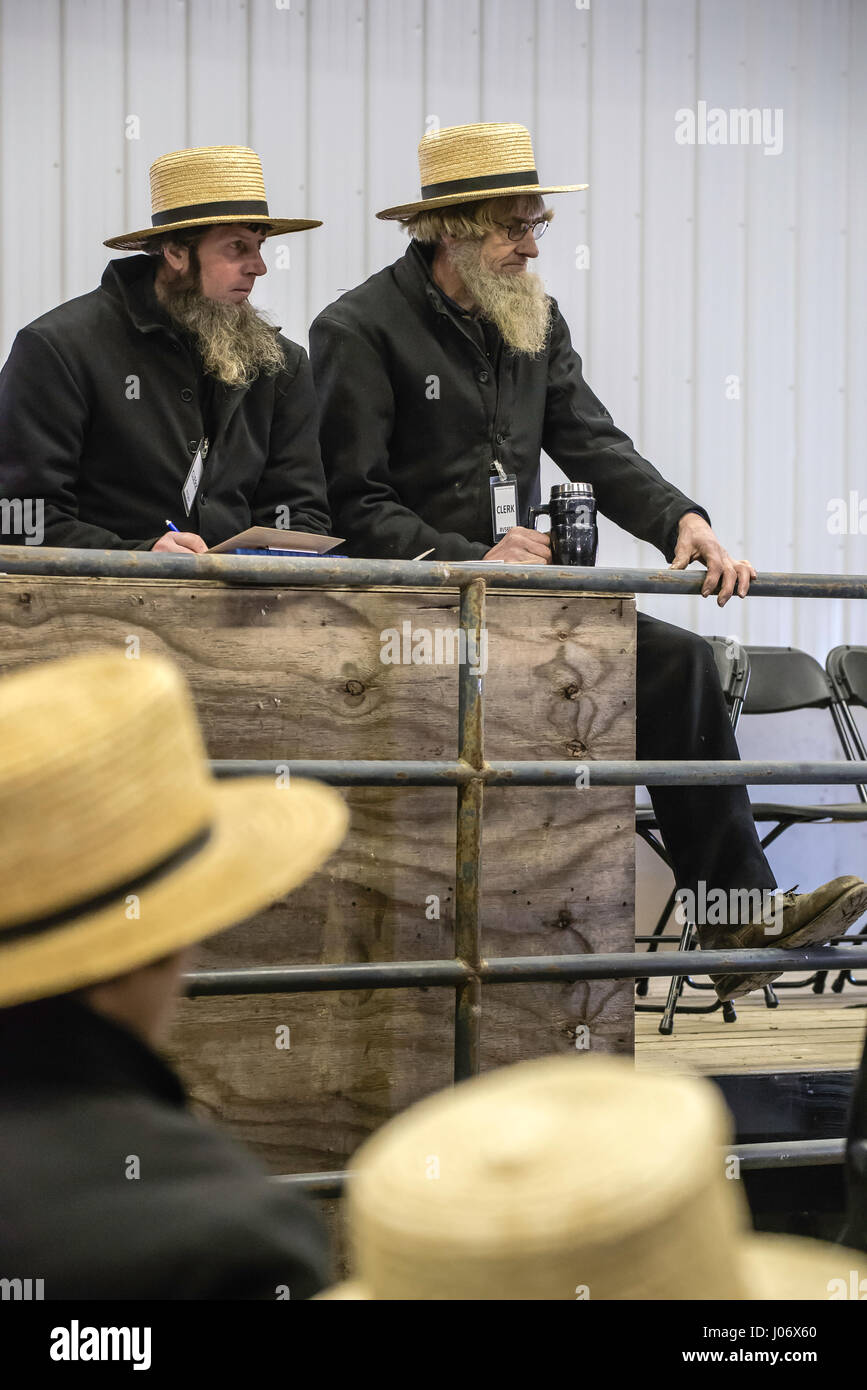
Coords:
722,316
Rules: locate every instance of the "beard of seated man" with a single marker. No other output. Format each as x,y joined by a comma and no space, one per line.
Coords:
517,305
236,341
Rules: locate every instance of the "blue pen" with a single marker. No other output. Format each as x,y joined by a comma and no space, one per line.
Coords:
171,525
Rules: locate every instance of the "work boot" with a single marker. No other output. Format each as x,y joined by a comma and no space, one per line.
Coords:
806,919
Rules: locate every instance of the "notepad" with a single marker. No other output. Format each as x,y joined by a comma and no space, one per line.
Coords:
272,538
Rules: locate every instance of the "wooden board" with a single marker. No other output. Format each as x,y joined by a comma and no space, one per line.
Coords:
280,674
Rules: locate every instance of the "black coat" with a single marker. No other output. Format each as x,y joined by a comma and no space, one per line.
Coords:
414,411
80,1099
110,467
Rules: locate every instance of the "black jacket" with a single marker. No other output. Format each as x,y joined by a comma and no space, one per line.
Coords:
101,415
81,1099
414,411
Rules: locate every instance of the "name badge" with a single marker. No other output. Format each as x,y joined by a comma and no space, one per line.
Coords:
504,504
194,477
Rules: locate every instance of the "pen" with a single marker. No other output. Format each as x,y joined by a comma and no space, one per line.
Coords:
171,525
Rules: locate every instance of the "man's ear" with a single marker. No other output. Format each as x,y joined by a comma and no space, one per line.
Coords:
177,257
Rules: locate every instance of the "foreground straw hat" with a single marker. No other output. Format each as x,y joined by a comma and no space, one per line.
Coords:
118,846
567,1178
464,163
206,187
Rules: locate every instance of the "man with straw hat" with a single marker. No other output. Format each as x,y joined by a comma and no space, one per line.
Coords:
569,1179
443,378
119,851
164,399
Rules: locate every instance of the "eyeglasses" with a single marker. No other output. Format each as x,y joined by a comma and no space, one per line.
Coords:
518,230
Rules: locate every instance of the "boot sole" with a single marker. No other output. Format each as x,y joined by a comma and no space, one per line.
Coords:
836,917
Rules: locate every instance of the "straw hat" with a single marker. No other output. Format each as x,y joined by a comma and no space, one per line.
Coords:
463,163
205,187
118,846
567,1178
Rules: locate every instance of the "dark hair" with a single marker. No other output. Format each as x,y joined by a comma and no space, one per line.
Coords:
185,236
191,236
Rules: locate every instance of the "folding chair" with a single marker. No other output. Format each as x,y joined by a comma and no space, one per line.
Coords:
733,666
846,669
783,680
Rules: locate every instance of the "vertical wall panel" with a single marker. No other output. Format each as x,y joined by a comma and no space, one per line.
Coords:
612,347
217,71
155,62
855,348
31,159
820,472
395,120
339,140
665,423
279,133
452,41
773,196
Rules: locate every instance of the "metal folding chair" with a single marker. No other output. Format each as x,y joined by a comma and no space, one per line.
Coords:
733,666
783,680
846,669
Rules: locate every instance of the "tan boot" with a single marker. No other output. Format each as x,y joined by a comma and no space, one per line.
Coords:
808,919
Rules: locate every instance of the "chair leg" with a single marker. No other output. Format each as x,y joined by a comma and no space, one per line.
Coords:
642,986
675,989
819,982
771,1000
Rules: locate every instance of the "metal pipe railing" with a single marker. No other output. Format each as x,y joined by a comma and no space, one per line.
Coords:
394,772
321,572
781,1153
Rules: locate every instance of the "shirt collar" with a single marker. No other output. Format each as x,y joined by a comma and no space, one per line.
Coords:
62,1044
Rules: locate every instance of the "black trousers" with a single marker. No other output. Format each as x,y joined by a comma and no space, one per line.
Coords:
681,713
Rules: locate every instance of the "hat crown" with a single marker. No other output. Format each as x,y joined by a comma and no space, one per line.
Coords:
204,175
604,1179
470,151
102,777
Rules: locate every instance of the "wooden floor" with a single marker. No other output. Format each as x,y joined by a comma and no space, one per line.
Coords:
808,1032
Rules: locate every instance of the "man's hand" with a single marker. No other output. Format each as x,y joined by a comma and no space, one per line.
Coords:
521,546
180,542
696,541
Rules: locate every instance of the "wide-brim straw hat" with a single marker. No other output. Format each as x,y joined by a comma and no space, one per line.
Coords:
206,187
568,1178
118,846
464,163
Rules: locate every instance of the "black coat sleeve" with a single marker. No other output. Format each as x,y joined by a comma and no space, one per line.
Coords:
582,439
357,417
43,422
294,468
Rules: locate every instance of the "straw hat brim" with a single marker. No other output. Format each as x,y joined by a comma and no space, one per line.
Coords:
787,1268
277,226
477,195
265,841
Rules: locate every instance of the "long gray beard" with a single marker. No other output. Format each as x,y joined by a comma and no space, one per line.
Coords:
516,304
236,341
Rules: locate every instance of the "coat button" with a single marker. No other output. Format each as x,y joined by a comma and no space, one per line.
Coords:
192,445
483,377
203,500
501,439
186,394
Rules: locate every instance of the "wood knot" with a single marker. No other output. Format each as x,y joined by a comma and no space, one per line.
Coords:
576,748
571,692
24,598
354,688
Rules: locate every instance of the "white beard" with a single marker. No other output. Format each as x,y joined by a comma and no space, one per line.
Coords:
517,304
